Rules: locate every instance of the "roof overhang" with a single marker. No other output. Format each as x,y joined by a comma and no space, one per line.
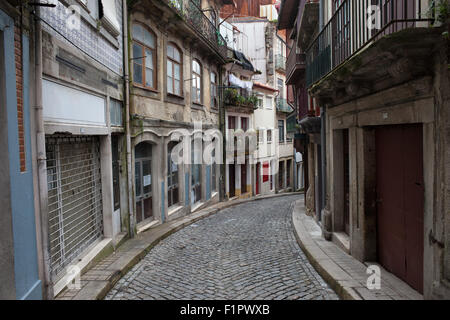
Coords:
287,14
309,24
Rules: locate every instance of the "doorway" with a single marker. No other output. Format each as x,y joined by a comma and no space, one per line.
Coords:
143,182
400,201
258,177
232,180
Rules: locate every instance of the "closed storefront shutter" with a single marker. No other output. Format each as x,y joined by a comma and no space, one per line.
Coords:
74,197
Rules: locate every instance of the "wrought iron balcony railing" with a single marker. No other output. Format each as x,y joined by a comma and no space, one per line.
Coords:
193,15
280,62
349,31
283,105
296,62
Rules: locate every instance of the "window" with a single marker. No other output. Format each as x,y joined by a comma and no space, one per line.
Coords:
280,84
174,70
196,82
259,134
260,103
92,6
115,112
109,17
281,130
244,124
231,123
269,136
269,102
172,176
144,57
213,90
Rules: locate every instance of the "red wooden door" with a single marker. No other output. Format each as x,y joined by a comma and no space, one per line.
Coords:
400,201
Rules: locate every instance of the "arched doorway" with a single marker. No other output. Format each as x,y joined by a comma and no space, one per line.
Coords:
143,181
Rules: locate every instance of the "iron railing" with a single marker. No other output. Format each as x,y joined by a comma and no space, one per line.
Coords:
283,105
193,15
294,60
280,62
354,25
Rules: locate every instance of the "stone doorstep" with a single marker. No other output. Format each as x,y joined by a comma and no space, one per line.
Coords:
133,250
349,286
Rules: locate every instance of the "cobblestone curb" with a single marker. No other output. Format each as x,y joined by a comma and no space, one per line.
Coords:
98,280
343,273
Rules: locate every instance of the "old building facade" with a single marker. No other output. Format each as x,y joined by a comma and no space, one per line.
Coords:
21,272
384,118
274,167
176,60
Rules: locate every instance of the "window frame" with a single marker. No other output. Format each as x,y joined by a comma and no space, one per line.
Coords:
173,61
214,85
196,76
281,135
143,58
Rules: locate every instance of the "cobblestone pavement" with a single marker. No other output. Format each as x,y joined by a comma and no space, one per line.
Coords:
247,251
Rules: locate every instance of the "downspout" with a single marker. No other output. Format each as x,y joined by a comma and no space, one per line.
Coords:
222,130
323,133
42,159
131,224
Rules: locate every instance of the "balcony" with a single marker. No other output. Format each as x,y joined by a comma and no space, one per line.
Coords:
280,63
283,106
240,100
190,12
348,33
295,67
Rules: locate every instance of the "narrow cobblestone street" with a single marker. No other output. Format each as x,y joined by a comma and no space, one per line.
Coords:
244,252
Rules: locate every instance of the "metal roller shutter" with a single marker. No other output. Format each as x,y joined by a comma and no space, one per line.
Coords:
74,197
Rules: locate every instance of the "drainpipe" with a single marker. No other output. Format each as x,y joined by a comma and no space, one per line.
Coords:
222,192
323,134
42,159
131,222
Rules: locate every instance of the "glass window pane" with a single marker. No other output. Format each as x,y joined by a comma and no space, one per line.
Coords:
196,67
169,68
149,39
176,55
137,53
170,84
176,71
177,88
170,51
137,32
147,174
149,77
137,170
148,58
137,73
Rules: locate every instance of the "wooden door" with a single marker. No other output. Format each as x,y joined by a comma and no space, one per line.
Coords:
258,176
400,201
232,180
